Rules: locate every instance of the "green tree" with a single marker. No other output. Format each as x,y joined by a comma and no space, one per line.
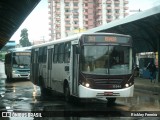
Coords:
24,41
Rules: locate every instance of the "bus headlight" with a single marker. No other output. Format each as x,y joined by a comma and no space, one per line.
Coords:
87,84
13,71
126,85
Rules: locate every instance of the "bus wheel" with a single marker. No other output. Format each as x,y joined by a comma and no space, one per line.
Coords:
67,93
111,100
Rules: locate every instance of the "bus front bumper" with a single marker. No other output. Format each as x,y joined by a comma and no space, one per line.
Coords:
85,92
27,76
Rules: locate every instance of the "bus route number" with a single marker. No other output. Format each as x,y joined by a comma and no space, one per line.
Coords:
110,39
91,39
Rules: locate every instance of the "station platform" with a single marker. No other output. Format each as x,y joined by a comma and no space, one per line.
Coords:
145,85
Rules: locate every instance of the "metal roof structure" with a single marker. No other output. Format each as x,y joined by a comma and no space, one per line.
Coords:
12,15
144,27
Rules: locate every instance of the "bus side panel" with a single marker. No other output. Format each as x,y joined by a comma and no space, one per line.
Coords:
58,76
42,75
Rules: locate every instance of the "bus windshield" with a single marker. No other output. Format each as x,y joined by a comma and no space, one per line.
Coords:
21,60
105,60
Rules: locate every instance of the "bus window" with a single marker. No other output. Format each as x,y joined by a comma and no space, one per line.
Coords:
119,60
40,55
21,60
55,53
44,56
35,58
105,60
61,53
67,52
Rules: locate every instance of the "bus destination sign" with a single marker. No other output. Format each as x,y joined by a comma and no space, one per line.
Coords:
22,53
110,39
104,39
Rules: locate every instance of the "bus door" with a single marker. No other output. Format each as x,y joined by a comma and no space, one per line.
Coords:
35,67
49,70
75,70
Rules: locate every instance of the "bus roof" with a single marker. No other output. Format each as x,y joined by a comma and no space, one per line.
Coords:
20,49
69,38
74,37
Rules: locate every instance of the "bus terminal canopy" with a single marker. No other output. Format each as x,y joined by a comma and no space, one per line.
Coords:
12,14
144,27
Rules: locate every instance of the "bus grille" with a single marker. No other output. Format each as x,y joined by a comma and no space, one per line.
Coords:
107,81
23,70
24,75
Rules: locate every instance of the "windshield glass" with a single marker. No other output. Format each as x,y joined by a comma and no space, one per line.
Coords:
21,60
112,60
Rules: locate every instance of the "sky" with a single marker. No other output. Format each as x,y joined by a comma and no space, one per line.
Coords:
36,24
37,21
142,4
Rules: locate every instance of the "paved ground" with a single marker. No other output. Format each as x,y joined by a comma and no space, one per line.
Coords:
145,85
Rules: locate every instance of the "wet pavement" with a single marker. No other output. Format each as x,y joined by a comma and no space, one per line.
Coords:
22,96
144,85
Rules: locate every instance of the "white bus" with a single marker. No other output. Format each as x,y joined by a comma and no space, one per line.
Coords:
97,65
17,64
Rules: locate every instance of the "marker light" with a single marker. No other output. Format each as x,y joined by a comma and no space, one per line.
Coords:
127,85
87,85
